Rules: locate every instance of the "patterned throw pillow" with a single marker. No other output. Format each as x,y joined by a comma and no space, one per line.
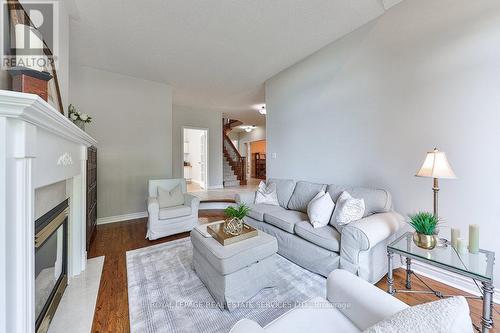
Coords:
347,209
267,194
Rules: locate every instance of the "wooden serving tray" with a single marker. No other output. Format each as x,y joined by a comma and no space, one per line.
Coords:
217,232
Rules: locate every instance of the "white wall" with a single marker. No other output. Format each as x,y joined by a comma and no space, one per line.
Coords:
132,122
201,118
365,109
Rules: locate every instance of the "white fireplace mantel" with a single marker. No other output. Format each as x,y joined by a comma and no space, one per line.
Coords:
38,147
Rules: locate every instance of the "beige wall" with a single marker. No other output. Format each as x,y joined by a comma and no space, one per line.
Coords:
199,118
132,122
364,110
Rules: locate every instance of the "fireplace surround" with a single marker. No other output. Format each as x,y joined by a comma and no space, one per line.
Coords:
38,147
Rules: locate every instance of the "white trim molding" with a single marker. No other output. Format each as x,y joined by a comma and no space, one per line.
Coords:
121,218
451,279
39,146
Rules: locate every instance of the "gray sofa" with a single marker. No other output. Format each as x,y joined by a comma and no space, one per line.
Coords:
359,247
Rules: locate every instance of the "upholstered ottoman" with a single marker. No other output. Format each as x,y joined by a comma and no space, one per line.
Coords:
237,272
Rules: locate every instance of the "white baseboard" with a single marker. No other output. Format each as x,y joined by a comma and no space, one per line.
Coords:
216,187
451,279
120,218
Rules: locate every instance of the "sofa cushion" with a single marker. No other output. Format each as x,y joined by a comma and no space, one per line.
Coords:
284,187
173,212
257,211
376,200
303,193
326,237
285,219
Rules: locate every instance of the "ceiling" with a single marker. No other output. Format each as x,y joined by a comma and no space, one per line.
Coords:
215,54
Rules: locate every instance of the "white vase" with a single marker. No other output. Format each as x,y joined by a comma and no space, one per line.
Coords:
80,124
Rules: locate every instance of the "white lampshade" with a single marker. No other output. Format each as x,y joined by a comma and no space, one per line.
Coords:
436,166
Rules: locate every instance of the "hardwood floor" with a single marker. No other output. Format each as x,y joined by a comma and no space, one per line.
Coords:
114,239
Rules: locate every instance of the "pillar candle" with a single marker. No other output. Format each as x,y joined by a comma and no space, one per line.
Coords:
461,246
473,238
455,233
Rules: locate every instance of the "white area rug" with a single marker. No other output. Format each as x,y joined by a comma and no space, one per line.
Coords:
165,295
75,312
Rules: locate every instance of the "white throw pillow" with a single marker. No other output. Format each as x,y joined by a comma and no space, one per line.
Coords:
443,316
267,194
347,209
171,198
320,209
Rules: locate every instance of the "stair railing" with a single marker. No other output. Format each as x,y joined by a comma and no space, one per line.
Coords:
236,161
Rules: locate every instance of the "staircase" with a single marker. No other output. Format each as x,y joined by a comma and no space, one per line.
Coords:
234,165
230,178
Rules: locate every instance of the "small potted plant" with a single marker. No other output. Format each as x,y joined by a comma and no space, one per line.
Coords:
78,118
234,222
425,225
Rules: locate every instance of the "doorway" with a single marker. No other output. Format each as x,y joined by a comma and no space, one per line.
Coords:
195,157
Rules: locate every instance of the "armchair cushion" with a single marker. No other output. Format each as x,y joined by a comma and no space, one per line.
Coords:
173,212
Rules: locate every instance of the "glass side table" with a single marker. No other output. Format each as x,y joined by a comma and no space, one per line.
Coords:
478,267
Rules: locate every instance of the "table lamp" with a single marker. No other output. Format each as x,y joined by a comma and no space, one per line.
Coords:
436,166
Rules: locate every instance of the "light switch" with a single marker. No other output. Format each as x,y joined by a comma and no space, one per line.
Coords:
274,155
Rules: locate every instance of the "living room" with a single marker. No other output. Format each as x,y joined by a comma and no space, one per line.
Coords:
102,230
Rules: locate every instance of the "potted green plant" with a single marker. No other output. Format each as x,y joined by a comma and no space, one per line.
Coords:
234,222
425,225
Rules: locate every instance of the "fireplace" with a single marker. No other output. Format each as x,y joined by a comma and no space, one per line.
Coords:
51,258
39,147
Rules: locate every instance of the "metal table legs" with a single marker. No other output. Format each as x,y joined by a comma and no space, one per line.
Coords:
487,319
487,289
390,279
408,273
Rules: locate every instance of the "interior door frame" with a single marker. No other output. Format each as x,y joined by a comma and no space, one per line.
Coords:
207,158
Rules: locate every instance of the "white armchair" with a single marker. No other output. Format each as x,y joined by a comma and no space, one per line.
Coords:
352,305
172,220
